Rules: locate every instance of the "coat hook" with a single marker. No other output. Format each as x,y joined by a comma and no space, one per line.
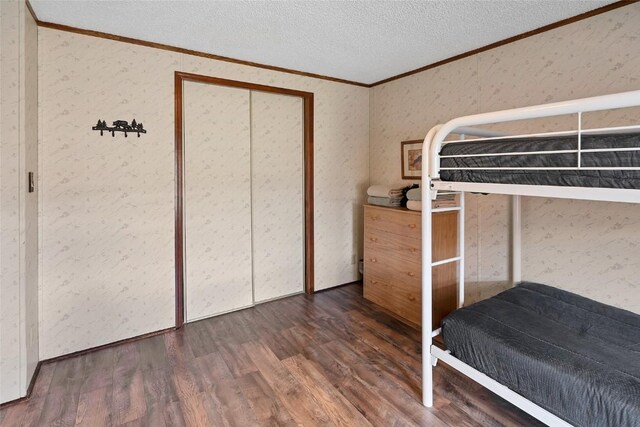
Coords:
120,126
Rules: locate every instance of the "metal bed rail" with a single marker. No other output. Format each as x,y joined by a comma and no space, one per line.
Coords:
578,106
579,150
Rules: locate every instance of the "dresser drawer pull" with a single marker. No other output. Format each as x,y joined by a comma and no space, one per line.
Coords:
411,274
373,282
411,226
373,239
373,260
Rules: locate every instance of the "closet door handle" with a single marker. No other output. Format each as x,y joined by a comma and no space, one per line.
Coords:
373,260
411,226
373,239
411,274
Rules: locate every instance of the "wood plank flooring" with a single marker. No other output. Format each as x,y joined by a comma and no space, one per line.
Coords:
330,359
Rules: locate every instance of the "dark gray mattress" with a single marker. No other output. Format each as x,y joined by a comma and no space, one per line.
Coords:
605,179
577,358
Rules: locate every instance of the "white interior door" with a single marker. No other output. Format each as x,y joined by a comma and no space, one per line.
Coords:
217,179
277,195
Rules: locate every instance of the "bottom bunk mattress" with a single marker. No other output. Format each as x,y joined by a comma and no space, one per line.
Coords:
577,358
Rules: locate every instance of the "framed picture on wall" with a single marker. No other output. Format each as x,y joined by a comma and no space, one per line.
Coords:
412,159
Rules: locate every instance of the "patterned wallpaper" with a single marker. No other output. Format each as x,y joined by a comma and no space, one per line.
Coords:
586,247
107,204
595,56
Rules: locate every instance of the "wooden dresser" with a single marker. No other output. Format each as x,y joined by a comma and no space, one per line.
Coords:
392,261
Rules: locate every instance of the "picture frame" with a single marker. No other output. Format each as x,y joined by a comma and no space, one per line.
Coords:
411,155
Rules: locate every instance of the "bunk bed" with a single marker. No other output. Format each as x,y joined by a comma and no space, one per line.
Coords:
562,358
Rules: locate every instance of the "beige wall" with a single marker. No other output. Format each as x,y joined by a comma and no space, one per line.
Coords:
586,247
107,204
18,209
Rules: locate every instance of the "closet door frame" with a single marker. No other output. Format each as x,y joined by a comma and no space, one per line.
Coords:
307,98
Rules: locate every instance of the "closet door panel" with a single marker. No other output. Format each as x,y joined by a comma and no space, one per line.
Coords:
277,195
217,171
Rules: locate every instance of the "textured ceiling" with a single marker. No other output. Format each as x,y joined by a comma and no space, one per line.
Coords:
364,41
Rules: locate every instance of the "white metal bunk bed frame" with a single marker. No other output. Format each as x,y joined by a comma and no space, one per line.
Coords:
431,180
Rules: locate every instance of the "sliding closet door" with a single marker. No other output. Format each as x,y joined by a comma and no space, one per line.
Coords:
277,195
217,174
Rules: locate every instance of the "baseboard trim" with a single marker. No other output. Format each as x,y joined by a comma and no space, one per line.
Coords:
108,345
32,383
359,281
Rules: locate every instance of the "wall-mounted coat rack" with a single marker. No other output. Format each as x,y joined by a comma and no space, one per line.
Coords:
120,126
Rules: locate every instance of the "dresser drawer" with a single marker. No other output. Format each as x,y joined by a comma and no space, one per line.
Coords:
386,245
403,300
396,221
404,297
407,272
444,244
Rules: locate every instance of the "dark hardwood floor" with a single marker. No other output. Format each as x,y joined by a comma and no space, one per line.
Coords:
328,359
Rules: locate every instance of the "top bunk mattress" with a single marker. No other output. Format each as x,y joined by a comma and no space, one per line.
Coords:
574,178
577,358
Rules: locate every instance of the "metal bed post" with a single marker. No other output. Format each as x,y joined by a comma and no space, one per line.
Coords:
516,242
461,252
427,295
579,140
428,359
461,237
427,261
